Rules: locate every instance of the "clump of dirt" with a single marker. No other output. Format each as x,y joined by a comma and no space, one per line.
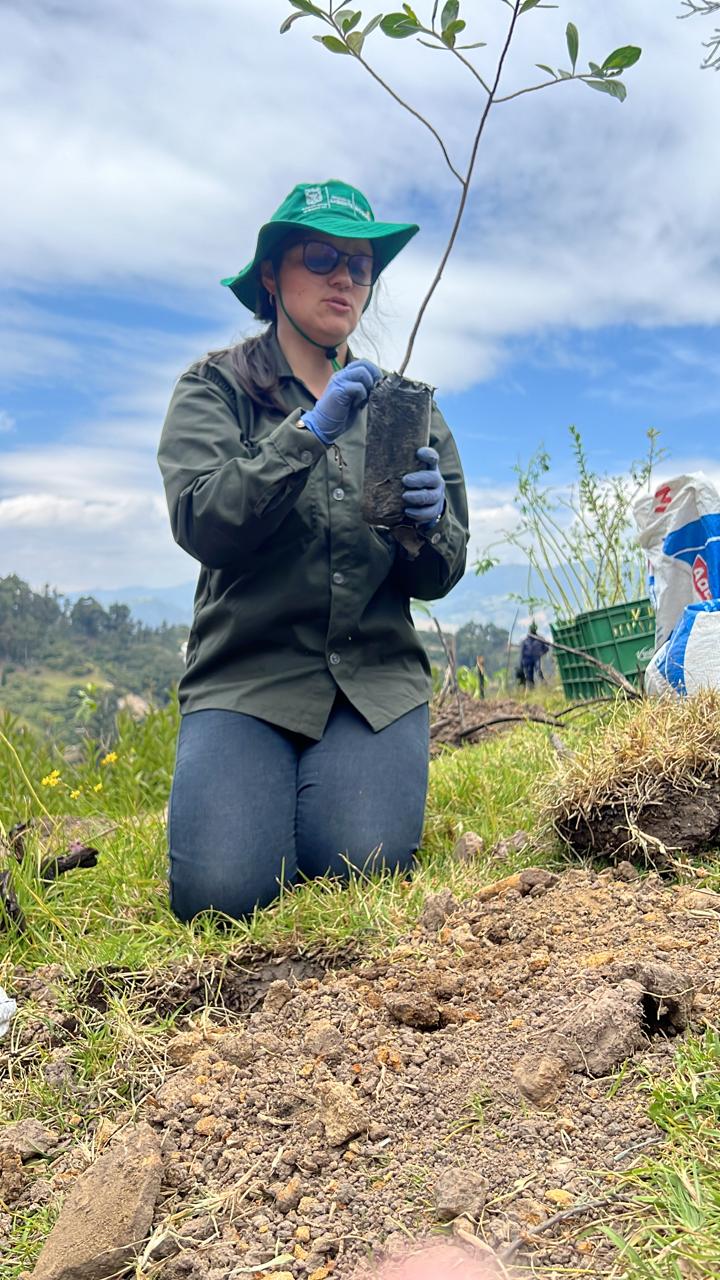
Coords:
458,720
350,1110
647,787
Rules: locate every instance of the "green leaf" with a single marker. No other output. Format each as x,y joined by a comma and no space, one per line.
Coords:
596,70
549,70
449,13
349,20
573,42
332,43
527,4
564,75
372,24
289,21
621,58
615,88
453,30
307,7
356,40
410,14
479,44
398,26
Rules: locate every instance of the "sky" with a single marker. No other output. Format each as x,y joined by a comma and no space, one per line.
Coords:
144,145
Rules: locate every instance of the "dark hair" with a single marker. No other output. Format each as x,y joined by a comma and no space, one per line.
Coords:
251,360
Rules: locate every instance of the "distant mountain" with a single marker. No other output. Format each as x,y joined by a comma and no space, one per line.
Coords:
485,599
150,605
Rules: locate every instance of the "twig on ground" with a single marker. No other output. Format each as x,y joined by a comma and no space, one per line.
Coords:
574,1211
580,706
78,855
11,912
539,719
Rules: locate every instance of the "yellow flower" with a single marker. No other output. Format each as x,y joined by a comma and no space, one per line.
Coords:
110,758
98,786
52,779
74,794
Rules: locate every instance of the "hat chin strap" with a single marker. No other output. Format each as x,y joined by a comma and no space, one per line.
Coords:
330,352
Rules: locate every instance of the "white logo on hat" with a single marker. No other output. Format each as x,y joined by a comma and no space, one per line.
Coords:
313,196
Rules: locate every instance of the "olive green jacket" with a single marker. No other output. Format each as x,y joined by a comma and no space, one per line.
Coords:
296,594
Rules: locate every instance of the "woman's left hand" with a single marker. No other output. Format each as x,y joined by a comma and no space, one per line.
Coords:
424,490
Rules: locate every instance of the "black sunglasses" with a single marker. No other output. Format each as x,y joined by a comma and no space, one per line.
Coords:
321,257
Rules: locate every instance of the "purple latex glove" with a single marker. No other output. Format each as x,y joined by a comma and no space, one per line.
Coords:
424,491
347,390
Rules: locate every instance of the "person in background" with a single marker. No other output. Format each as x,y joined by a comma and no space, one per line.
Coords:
532,651
304,738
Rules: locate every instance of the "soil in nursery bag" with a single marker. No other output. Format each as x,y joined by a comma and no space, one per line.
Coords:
398,424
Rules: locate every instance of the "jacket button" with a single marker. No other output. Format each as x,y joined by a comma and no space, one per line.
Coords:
338,494
306,456
334,659
338,579
436,537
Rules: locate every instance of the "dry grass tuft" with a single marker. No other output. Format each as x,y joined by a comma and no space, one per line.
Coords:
646,751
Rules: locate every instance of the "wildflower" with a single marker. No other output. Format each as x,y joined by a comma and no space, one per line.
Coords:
51,779
74,794
98,786
110,758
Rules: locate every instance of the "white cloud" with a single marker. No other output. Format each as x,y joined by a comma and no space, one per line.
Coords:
7,423
148,144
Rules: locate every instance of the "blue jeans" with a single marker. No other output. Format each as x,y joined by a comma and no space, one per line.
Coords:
253,806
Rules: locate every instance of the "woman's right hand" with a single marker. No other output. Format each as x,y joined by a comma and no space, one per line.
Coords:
347,390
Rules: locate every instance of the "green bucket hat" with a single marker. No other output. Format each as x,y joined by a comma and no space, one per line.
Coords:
332,207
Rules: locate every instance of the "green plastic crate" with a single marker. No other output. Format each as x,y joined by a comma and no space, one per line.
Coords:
622,635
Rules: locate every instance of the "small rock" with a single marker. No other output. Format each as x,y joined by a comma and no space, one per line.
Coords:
697,899
107,1214
437,908
39,1193
288,1197
29,1138
323,1040
58,1073
207,1125
626,871
414,1009
460,1192
342,1113
603,1029
183,1047
559,1197
533,878
13,1179
277,996
511,844
539,960
469,847
541,1079
237,1048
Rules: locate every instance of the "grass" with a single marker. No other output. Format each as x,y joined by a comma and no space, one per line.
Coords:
647,747
676,1198
117,917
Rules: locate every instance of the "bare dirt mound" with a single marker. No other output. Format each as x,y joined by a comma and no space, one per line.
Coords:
467,1073
458,720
